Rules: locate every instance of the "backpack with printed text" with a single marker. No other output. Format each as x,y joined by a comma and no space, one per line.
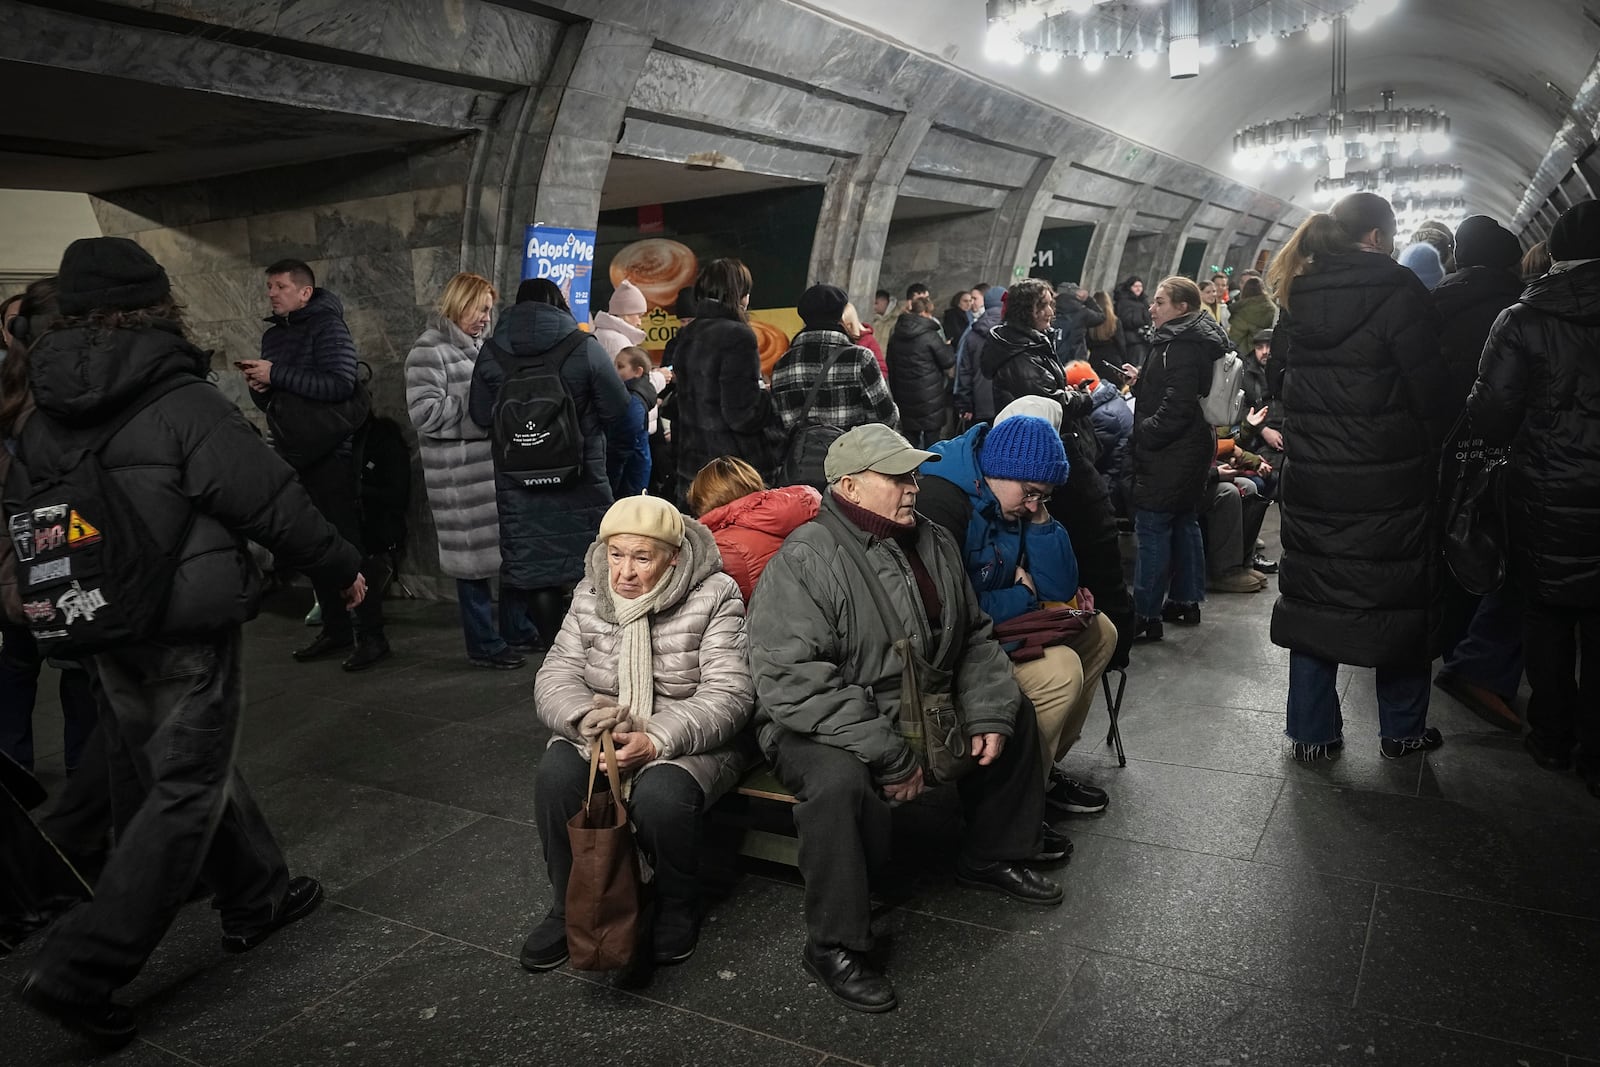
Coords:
537,440
89,574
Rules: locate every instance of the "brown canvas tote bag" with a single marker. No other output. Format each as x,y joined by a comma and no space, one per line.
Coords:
604,894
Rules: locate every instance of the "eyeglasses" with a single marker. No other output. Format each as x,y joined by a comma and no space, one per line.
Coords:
1036,496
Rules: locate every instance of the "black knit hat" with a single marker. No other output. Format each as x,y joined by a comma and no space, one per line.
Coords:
108,274
1483,242
1576,235
822,306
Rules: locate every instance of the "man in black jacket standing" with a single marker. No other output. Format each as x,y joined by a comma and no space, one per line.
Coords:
307,353
201,482
1076,315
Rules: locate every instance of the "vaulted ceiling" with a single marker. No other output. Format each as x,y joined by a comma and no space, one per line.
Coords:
1505,71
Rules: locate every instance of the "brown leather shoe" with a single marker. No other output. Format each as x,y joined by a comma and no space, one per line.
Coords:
1491,707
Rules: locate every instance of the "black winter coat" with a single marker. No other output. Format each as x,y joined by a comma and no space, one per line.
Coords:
546,533
919,364
1074,319
311,352
1133,319
1469,301
1173,445
1367,401
187,458
718,407
1538,390
1021,362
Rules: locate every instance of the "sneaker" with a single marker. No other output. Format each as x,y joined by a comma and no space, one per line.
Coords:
504,660
107,1024
546,947
301,900
1054,846
1264,565
1301,752
1147,630
1183,614
1395,747
1069,794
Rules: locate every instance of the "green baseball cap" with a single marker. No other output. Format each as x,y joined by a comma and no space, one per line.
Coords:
873,447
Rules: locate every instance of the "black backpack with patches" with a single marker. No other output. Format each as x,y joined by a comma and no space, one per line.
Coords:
535,432
89,574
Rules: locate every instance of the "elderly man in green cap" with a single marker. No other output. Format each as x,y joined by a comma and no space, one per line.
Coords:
836,717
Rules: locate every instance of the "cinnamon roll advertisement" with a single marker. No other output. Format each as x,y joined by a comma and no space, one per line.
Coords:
659,248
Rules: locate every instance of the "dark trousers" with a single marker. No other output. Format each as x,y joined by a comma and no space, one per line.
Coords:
174,720
484,638
334,485
20,663
665,810
844,824
1564,710
1490,654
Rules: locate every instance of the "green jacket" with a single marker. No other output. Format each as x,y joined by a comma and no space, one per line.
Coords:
1248,317
824,665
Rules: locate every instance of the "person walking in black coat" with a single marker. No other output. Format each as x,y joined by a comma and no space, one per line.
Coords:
1133,317
1173,447
1365,395
1537,390
201,482
1483,669
921,365
719,406
546,531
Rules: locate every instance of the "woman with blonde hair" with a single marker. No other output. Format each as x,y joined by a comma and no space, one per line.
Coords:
748,520
1107,350
458,468
1366,399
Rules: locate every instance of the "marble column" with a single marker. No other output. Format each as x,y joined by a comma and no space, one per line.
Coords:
858,205
1106,245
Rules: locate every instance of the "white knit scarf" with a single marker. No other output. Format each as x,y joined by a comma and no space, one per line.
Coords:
636,688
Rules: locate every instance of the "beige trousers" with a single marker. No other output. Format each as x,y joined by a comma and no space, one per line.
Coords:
1062,685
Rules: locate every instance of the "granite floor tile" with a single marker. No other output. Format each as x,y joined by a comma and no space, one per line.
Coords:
442,688
203,1004
1517,857
448,1003
1287,928
1507,972
484,884
484,771
340,833
1493,771
1252,742
948,976
313,734
1181,807
1262,686
1118,1011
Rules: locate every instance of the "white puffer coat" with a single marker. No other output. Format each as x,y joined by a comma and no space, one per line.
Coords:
703,691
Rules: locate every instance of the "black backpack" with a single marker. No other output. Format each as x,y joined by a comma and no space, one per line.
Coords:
806,447
89,573
535,432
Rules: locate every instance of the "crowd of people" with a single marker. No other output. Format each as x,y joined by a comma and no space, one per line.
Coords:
892,562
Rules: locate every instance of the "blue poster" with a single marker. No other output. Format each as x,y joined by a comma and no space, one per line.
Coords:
566,257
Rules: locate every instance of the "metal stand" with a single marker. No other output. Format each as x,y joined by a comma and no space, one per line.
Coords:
1114,707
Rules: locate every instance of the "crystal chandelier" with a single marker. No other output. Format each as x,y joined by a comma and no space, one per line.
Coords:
1413,212
1188,31
1394,183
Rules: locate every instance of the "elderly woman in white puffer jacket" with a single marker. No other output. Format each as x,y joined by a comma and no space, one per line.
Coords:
653,649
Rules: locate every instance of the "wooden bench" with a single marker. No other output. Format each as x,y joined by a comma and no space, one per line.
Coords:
759,806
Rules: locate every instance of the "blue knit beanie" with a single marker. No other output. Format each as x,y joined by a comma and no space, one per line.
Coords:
1024,449
1423,260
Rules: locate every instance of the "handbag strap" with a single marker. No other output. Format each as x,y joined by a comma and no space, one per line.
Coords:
609,746
811,397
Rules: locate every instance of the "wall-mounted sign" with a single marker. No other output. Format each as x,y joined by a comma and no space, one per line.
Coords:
566,257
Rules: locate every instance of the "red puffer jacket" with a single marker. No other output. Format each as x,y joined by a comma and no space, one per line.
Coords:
750,530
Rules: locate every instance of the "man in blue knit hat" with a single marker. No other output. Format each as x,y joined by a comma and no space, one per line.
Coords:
989,489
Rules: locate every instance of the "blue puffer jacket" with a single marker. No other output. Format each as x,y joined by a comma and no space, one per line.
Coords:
992,547
1113,422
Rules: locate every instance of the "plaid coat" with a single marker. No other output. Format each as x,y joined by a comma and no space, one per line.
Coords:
854,394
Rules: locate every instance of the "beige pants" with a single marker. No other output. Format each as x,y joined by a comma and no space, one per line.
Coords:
1062,686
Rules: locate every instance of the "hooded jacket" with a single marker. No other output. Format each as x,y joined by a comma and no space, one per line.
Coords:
615,334
1173,446
1366,399
919,361
749,531
1469,301
1538,390
826,669
956,496
311,351
188,461
1021,362
698,653
1248,316
628,453
1133,318
1074,319
974,392
1113,423
545,532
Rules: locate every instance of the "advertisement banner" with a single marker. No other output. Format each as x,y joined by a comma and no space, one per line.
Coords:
566,257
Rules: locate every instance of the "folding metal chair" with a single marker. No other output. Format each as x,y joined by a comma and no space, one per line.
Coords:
1114,707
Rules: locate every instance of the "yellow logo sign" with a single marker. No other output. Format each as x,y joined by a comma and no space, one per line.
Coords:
79,532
